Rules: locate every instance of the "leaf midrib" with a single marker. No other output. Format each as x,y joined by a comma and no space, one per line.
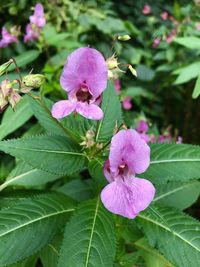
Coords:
173,160
46,150
10,181
92,233
168,229
173,191
33,221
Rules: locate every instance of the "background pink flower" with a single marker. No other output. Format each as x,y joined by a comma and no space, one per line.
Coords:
146,10
7,38
38,17
126,103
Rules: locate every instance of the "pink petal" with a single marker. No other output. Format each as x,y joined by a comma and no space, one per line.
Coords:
62,108
85,66
128,198
106,171
127,146
89,111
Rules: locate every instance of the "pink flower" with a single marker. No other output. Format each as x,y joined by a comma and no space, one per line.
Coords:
179,140
142,126
156,42
164,15
84,77
146,10
126,103
117,86
32,33
126,194
197,26
38,17
7,38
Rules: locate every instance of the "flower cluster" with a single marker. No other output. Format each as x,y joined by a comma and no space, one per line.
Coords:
84,78
32,31
37,22
126,194
7,37
166,137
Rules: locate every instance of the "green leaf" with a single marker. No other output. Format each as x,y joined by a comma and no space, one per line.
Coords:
189,42
112,114
89,239
72,127
29,225
196,91
78,125
27,176
49,255
173,233
24,59
177,195
144,73
135,91
188,73
95,168
173,162
41,110
151,256
130,259
77,190
55,154
12,120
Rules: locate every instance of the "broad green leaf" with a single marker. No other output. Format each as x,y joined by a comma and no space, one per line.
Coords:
41,110
70,126
173,233
49,255
173,162
77,190
29,225
12,120
10,198
188,73
24,59
130,259
189,42
89,239
54,154
135,91
196,91
27,176
112,114
177,195
95,168
144,73
30,262
78,125
151,256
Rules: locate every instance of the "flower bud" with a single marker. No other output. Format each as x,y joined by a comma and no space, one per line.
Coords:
110,75
33,80
125,37
132,70
112,63
90,135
